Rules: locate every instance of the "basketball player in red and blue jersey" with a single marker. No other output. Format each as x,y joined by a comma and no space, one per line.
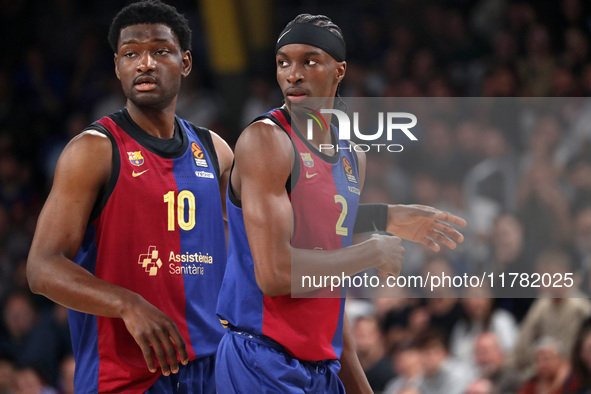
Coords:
131,237
292,207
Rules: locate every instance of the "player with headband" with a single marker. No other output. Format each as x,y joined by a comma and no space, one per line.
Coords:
299,212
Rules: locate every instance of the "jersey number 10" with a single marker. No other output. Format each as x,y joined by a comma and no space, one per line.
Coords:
185,199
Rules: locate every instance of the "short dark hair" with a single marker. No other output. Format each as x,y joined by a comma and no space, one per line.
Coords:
318,20
151,12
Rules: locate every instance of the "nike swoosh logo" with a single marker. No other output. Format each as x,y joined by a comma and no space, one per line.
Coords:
308,176
281,36
136,174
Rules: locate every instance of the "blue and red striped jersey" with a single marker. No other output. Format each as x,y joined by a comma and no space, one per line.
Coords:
324,196
157,230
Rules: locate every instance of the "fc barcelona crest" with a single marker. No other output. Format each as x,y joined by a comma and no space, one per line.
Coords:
307,159
136,158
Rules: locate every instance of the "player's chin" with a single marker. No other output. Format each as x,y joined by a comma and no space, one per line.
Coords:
147,99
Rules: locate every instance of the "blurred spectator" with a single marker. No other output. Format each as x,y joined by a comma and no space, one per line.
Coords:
542,141
480,315
66,379
500,82
409,370
75,123
543,207
197,104
32,381
7,372
576,50
579,380
578,172
491,364
113,99
441,373
480,386
371,352
261,98
437,154
558,318
31,337
582,248
394,313
586,80
564,83
509,251
551,368
442,305
537,67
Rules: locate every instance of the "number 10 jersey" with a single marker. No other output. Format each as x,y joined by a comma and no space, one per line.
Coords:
157,229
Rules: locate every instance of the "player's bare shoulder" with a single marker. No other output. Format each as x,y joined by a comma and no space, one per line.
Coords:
223,151
265,137
90,153
263,155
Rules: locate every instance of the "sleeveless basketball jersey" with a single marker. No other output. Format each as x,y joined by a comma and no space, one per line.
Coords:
324,196
158,230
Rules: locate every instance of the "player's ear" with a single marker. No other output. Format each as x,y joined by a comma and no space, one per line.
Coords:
187,64
116,68
340,71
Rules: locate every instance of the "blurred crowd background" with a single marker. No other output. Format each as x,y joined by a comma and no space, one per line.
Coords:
520,175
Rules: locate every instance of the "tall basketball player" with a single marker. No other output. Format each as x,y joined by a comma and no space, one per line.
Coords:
131,237
290,199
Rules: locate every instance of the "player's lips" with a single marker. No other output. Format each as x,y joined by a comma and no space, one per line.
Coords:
144,83
296,95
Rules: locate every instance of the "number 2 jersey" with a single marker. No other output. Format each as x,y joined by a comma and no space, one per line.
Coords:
324,197
157,229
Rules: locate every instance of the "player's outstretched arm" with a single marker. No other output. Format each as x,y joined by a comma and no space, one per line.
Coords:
263,163
426,225
225,159
419,223
83,168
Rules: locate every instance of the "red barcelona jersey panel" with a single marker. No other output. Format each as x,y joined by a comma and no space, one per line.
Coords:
324,198
159,232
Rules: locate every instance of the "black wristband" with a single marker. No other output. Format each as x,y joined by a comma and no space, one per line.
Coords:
371,217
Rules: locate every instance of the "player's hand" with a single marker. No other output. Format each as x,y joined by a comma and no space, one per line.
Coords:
426,225
389,253
156,334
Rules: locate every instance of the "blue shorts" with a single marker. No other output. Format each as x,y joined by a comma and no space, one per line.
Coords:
197,377
249,364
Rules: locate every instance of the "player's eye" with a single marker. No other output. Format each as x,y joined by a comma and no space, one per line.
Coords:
311,62
162,52
282,63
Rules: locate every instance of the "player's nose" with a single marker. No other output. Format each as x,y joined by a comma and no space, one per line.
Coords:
145,62
295,74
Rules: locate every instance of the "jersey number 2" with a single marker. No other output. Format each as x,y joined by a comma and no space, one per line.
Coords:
339,227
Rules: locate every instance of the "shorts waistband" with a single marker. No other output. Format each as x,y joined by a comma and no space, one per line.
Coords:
269,342
261,339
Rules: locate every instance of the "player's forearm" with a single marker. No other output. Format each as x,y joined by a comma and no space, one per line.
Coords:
345,261
70,285
321,264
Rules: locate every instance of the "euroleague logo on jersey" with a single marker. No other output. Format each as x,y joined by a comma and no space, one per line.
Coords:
349,171
198,155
